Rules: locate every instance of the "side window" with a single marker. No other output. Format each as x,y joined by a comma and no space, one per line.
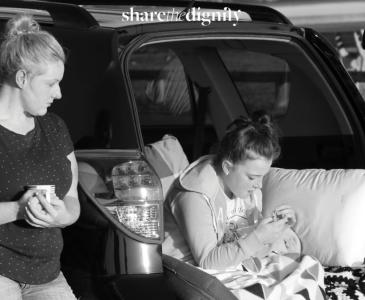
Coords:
261,79
160,87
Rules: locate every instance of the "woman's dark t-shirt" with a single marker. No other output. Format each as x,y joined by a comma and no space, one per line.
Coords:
29,254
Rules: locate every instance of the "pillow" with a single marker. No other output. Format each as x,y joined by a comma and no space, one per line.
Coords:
330,210
168,159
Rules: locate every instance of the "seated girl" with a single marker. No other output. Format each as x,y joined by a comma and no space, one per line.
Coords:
213,220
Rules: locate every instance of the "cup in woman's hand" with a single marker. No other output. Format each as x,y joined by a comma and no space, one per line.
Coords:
45,189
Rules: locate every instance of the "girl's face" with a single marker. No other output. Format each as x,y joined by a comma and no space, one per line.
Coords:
243,177
40,90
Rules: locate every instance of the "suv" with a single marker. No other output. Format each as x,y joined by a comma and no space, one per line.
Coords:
136,72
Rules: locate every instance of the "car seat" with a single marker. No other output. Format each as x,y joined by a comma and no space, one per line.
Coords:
191,283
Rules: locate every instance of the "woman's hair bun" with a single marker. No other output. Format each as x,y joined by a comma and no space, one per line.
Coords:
25,46
21,24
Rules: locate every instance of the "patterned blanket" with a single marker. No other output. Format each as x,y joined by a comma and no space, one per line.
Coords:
345,283
341,283
276,277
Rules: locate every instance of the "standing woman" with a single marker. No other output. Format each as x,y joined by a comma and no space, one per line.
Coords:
35,149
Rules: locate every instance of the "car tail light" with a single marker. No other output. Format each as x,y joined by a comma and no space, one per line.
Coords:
139,199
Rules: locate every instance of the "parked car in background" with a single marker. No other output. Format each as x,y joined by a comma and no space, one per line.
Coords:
137,70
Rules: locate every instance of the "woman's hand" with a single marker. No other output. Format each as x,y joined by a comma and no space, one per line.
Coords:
58,213
269,231
40,213
22,203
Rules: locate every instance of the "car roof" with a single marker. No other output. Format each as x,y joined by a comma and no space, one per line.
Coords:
114,13
172,11
324,16
60,14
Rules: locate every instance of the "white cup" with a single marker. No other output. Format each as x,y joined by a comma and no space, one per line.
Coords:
46,189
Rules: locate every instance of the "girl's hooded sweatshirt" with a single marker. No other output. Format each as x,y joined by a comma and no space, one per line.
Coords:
195,220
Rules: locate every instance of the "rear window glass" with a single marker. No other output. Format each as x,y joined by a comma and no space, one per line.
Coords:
261,79
193,88
173,81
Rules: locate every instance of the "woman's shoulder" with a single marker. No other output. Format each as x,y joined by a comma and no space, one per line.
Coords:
52,122
56,131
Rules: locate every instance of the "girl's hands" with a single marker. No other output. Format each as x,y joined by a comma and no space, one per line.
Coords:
269,231
285,212
40,213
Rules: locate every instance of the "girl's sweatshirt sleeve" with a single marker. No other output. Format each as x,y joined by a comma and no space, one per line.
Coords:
195,220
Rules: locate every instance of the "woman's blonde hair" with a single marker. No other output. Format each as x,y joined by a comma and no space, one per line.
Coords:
26,46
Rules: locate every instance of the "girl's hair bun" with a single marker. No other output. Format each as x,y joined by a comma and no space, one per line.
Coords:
239,123
261,117
21,25
248,137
